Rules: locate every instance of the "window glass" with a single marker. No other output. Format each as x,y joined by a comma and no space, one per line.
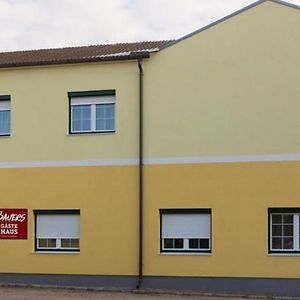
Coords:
105,116
194,243
70,243
81,118
284,231
47,243
4,122
168,243
204,243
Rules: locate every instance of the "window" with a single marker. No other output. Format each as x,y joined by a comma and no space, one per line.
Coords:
185,230
92,111
284,228
57,230
5,115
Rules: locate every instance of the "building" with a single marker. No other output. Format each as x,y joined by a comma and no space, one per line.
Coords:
198,189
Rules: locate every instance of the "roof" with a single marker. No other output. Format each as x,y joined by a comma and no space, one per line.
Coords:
109,52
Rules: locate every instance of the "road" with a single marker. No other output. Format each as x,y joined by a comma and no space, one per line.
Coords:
24,293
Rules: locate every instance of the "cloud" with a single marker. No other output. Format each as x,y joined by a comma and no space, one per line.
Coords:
176,18
32,24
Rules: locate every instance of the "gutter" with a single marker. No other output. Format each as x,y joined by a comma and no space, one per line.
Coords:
141,172
130,56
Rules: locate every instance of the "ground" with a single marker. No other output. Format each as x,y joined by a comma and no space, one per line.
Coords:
24,293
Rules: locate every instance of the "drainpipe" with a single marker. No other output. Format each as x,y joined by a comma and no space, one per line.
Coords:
141,174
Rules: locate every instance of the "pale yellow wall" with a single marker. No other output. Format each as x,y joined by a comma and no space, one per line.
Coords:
39,112
229,90
108,203
232,89
239,195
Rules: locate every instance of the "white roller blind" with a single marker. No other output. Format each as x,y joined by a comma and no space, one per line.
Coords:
57,226
92,100
186,226
4,105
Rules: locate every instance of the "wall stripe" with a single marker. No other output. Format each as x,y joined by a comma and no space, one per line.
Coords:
222,159
68,163
150,161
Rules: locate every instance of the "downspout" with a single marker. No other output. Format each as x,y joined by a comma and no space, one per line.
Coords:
141,173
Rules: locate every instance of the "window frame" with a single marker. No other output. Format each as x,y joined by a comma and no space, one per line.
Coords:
6,98
295,211
185,211
97,93
37,212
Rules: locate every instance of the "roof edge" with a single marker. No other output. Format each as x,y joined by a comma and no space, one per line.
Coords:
252,5
132,56
282,2
86,46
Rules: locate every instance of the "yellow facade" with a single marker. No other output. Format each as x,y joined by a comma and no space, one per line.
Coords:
221,131
107,199
239,195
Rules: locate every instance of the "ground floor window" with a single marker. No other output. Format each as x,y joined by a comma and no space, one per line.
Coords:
57,230
284,228
185,230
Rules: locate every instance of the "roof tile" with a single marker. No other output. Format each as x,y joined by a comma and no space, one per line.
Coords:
94,53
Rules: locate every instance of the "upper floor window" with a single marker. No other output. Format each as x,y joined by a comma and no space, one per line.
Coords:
4,115
92,111
284,228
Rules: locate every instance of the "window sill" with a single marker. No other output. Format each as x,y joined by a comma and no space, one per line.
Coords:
56,252
283,254
91,133
185,253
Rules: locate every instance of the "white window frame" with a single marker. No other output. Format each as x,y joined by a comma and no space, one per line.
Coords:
186,238
58,239
296,231
92,99
5,106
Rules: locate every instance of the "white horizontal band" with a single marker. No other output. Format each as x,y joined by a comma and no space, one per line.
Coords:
150,161
92,100
222,159
67,163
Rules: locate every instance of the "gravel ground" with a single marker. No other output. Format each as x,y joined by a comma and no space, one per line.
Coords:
24,293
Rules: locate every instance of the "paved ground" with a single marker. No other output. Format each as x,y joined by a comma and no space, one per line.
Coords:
20,293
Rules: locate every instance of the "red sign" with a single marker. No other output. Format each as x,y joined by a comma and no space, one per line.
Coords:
13,224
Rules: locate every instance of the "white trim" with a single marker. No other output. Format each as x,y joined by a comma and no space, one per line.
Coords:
68,163
93,100
284,254
295,233
222,159
5,105
93,118
56,252
186,253
149,161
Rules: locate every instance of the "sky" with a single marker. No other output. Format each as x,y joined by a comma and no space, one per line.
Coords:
35,24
